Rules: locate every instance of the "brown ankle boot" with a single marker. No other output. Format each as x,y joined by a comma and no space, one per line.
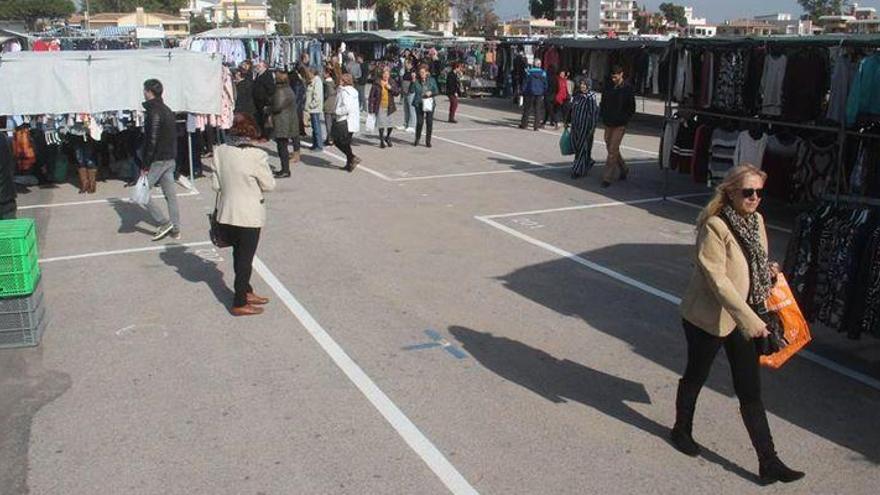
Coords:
294,158
93,180
83,179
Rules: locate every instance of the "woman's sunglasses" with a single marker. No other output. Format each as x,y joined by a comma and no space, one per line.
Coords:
747,193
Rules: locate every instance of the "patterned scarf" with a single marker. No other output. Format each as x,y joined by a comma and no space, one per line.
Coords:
747,232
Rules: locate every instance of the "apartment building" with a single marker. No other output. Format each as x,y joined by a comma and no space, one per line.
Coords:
596,16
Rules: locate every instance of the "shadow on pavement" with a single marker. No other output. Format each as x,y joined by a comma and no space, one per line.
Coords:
652,328
130,215
558,380
195,269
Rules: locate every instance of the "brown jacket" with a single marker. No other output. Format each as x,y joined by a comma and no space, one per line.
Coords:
715,299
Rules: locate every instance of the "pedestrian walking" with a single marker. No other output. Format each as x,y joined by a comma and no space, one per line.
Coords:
583,119
408,76
264,88
453,90
424,89
330,78
561,98
285,124
241,176
534,88
550,98
617,108
348,120
381,104
315,107
159,160
723,307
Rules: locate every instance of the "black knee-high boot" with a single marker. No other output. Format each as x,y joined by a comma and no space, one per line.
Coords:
381,138
771,468
388,136
682,432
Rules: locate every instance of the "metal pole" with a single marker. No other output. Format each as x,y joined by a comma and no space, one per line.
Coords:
577,4
667,113
359,27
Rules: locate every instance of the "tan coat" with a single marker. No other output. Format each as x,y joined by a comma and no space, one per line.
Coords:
716,296
241,175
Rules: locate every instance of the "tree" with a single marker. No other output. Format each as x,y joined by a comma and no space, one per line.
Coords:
384,15
477,17
418,16
198,24
818,8
283,29
543,9
397,8
166,6
278,9
236,20
30,11
673,13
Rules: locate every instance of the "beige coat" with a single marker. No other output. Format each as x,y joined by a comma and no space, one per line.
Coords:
716,296
241,175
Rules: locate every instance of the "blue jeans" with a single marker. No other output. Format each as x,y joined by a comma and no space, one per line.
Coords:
162,173
317,143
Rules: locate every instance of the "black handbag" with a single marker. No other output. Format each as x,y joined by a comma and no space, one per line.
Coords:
216,231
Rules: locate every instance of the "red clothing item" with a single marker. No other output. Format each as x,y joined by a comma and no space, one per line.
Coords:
562,92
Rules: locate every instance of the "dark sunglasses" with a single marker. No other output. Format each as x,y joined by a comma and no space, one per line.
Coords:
747,193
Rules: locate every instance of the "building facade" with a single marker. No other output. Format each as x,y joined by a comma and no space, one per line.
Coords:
171,25
700,30
530,26
311,16
787,24
252,14
746,27
349,19
596,16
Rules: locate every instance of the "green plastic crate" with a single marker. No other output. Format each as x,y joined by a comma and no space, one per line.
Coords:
18,263
20,283
17,236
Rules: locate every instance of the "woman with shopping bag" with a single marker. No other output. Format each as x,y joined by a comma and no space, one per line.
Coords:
723,307
241,176
424,89
381,104
582,119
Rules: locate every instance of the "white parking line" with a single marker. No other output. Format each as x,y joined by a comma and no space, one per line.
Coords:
417,441
590,206
545,131
161,247
344,160
821,361
193,192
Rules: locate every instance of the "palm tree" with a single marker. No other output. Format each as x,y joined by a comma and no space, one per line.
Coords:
398,7
437,10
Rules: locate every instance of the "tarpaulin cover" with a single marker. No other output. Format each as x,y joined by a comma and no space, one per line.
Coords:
110,80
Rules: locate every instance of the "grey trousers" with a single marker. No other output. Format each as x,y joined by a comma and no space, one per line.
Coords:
162,173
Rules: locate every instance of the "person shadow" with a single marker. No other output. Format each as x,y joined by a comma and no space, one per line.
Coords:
130,215
561,380
196,269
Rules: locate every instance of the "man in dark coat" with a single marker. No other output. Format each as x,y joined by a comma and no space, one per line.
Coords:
244,94
616,109
159,161
264,88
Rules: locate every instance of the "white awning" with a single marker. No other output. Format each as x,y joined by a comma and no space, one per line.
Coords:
34,83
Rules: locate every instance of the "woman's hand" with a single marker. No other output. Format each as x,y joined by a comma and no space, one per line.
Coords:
774,270
765,332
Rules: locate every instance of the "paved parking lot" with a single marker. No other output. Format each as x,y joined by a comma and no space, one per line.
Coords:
463,319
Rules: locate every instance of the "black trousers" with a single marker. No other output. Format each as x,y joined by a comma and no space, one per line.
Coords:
531,104
424,120
283,153
244,242
701,350
342,138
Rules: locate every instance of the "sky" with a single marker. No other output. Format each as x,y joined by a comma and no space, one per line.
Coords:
714,10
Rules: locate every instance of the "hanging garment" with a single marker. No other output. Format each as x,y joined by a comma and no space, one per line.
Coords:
771,84
749,150
700,159
866,319
780,163
864,94
667,140
806,84
815,170
683,148
841,79
707,79
722,152
683,90
800,264
729,82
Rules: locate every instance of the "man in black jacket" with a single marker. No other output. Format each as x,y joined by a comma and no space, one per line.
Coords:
453,90
264,88
617,108
160,152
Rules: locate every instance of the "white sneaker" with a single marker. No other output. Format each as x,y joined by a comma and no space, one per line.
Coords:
184,181
163,231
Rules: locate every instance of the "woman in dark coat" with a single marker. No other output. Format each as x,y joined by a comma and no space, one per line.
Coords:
583,118
330,79
285,123
381,104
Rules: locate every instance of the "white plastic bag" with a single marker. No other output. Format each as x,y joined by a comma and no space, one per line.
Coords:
371,122
140,193
428,104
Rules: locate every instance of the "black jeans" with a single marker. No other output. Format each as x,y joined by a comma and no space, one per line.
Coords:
283,153
531,104
244,242
701,350
426,120
342,138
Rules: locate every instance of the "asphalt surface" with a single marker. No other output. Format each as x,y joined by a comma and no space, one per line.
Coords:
424,336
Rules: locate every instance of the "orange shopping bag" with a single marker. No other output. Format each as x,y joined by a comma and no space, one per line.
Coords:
797,332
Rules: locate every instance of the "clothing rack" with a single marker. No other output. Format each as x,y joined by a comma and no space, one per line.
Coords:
848,198
869,42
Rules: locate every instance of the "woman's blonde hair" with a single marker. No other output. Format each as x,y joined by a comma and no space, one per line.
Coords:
731,183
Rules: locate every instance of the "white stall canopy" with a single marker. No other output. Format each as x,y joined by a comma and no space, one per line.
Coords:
34,83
